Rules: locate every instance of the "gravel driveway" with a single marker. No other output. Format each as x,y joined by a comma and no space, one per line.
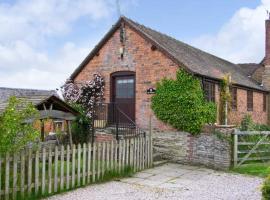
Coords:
173,181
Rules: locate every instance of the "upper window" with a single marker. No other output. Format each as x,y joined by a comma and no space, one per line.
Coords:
249,100
264,102
209,90
234,98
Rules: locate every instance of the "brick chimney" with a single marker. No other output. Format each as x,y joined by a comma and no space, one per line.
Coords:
266,62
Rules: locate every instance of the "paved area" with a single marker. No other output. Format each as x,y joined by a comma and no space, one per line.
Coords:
173,181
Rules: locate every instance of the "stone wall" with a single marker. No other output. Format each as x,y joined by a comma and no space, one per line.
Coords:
211,150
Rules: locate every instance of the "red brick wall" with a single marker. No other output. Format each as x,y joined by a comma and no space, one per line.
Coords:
150,67
258,115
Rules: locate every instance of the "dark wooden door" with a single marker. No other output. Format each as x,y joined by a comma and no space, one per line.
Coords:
124,97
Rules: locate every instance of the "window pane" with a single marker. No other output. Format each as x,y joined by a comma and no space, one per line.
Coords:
125,88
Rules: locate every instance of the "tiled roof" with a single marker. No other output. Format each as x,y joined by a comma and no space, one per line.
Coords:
193,59
5,93
30,95
249,68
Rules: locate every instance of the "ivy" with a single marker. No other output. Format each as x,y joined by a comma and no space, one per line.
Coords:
181,103
15,132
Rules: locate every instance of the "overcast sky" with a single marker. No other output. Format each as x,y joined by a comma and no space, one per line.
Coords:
43,41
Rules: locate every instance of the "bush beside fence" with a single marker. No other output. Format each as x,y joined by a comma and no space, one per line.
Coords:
49,170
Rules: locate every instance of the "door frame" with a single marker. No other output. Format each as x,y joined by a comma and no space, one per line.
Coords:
112,86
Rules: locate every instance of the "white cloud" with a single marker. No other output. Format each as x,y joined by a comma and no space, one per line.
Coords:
241,39
27,24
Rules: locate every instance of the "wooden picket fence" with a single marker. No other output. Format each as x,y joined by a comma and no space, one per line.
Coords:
51,170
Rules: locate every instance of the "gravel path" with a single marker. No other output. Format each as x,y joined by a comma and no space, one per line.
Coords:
173,182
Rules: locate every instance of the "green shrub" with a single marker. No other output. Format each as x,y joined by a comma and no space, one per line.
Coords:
247,123
14,129
81,126
181,103
266,189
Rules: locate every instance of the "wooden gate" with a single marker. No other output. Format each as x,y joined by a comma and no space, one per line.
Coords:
251,146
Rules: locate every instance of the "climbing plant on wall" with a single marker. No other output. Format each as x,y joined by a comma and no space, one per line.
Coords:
225,98
181,103
86,94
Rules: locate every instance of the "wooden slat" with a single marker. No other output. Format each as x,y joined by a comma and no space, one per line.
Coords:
119,156
73,166
112,154
98,161
43,179
252,143
123,155
107,156
55,169
67,167
79,166
116,146
7,174
89,155
22,182
62,178
15,168
255,158
127,152
94,163
146,152
255,151
131,155
50,170
143,153
37,172
84,164
103,145
29,178
138,154
135,155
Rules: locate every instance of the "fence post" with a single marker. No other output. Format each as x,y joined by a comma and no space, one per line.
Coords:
56,169
43,182
15,164
37,172
150,141
29,178
235,151
7,177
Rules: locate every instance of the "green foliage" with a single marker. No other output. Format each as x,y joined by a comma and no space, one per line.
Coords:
225,96
81,126
247,123
181,103
15,133
266,188
254,169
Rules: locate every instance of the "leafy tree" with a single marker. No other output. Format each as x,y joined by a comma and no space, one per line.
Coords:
15,132
181,103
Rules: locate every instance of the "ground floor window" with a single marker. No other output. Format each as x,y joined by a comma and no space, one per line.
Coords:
249,100
209,90
234,98
264,102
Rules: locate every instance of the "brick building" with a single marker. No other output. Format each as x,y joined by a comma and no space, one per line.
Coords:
132,58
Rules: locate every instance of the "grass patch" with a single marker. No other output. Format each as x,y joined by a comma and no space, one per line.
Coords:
254,169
